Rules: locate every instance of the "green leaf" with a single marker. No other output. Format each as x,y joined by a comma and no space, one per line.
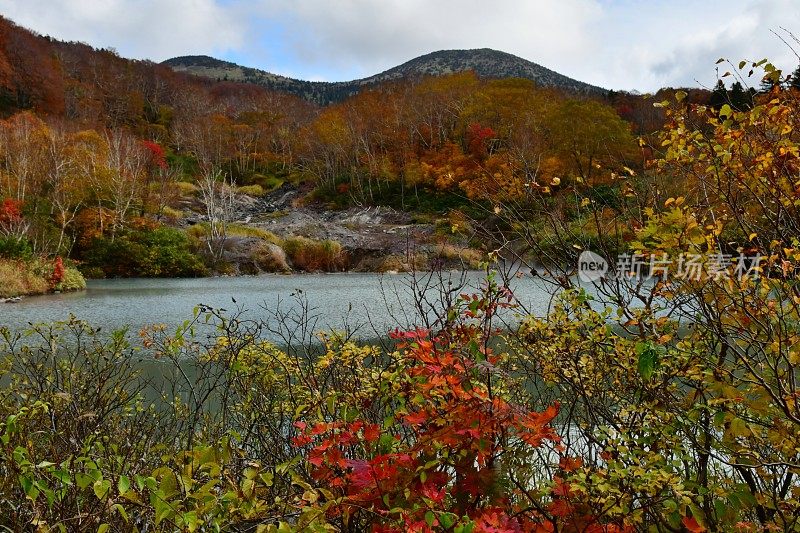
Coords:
103,528
447,520
648,359
83,480
101,488
738,428
429,518
124,484
26,482
121,510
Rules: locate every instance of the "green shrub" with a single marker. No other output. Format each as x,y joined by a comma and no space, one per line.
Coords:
163,252
268,183
15,247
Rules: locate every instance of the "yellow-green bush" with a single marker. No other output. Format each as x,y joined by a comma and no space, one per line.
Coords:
202,230
25,278
73,280
185,188
19,279
467,257
311,255
251,190
268,257
171,213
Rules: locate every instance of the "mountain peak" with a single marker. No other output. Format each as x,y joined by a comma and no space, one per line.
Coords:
485,62
199,60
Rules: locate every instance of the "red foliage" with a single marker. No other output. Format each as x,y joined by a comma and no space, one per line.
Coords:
157,154
477,139
437,460
10,212
58,272
440,452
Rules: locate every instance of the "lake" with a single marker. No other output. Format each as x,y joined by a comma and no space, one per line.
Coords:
334,299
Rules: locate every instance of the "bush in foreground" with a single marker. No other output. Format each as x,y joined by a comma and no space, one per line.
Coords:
425,437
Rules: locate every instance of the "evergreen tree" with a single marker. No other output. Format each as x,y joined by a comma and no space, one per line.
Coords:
794,81
719,96
739,98
767,84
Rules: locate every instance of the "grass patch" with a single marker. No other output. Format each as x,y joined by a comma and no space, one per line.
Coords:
311,255
251,190
203,229
171,214
468,257
270,258
30,277
184,188
401,263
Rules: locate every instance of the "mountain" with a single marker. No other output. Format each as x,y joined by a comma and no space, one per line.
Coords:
485,62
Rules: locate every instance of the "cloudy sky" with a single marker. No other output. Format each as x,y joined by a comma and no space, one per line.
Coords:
619,44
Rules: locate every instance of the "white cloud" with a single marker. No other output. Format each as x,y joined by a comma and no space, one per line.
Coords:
145,29
612,43
680,45
363,36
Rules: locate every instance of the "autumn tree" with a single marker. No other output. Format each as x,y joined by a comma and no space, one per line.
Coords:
24,140
219,201
67,184
590,136
126,163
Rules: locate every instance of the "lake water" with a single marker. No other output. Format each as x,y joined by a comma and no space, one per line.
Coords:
334,299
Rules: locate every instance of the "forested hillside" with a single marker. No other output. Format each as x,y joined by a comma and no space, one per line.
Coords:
105,157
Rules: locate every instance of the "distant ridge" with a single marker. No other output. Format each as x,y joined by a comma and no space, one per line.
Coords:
485,62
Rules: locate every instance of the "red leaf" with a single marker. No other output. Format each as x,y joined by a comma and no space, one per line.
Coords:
692,525
416,419
372,432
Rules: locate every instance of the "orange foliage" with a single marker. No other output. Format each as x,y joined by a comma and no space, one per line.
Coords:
91,223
